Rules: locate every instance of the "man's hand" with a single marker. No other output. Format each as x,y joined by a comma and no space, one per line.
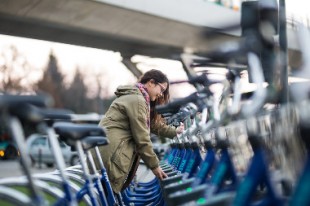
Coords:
159,173
180,128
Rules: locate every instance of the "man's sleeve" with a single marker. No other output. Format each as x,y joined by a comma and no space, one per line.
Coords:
163,130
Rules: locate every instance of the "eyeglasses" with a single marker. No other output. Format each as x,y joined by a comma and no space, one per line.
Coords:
162,87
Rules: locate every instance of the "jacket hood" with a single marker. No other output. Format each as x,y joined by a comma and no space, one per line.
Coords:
125,90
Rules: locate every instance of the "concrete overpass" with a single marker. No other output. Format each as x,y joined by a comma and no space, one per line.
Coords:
111,27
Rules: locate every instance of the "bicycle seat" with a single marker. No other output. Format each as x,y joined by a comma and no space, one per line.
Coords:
53,113
14,101
93,141
73,132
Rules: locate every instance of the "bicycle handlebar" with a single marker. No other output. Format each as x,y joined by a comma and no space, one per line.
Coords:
175,105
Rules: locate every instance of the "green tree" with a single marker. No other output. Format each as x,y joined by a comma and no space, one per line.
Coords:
52,82
76,95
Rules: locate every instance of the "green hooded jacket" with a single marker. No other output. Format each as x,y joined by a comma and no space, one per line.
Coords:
126,125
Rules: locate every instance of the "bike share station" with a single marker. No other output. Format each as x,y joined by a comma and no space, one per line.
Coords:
237,148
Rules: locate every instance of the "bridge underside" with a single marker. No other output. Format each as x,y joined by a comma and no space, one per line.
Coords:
92,24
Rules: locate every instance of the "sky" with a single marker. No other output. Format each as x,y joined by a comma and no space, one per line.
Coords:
91,62
298,8
97,62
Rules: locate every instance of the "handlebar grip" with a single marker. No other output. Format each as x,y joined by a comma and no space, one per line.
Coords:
202,79
175,105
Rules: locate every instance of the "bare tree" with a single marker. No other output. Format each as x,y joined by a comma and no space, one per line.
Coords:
102,83
15,72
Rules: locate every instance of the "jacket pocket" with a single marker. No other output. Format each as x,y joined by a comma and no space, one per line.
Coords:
122,156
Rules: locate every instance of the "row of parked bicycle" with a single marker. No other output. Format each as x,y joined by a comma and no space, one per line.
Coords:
221,159
236,149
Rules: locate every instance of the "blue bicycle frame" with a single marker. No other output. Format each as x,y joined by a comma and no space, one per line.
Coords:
256,176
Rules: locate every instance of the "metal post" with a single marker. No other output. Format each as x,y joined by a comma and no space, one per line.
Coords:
40,158
284,98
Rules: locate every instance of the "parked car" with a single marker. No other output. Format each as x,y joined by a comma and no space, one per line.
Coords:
40,151
8,150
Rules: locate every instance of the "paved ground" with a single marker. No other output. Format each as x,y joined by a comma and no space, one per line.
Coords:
144,174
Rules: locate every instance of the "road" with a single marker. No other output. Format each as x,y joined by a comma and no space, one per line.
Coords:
12,168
